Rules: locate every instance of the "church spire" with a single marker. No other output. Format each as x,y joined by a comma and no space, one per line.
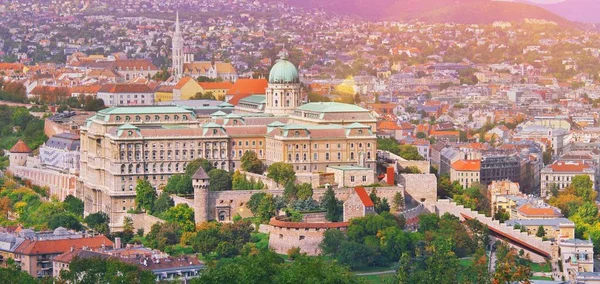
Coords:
177,23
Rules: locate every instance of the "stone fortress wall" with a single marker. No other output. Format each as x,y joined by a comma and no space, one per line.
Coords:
236,200
306,236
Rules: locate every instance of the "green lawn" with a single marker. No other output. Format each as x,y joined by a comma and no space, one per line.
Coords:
541,278
373,269
377,279
540,267
465,262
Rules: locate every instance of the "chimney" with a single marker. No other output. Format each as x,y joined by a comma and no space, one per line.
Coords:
117,243
390,175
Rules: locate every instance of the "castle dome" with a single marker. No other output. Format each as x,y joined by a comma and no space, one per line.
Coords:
283,72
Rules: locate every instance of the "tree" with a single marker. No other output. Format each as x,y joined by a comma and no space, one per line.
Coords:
98,222
540,232
220,180
183,215
421,135
163,235
162,203
145,195
193,166
398,202
281,173
104,270
383,206
251,163
65,220
510,268
333,206
266,209
290,191
304,191
13,274
255,201
332,241
355,255
74,205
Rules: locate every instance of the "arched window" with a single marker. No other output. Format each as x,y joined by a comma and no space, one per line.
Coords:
351,155
297,156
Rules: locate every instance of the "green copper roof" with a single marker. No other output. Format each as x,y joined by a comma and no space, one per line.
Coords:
218,113
145,110
225,104
256,99
331,107
233,115
211,125
276,124
127,126
283,72
356,125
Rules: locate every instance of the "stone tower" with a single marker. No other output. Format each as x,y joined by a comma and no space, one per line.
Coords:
177,51
200,182
283,92
19,154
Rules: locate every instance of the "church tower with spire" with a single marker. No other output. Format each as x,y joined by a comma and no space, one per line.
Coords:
177,68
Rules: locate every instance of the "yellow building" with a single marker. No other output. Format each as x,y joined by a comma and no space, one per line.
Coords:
218,89
186,89
466,172
163,94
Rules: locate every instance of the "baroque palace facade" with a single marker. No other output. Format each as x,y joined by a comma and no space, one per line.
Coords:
120,145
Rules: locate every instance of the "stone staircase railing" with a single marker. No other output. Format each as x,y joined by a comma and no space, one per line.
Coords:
448,206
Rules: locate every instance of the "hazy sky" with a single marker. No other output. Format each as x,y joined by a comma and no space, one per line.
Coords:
546,1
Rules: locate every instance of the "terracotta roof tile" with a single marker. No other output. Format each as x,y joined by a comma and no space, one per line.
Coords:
364,196
216,85
569,166
531,211
467,165
20,147
31,247
125,88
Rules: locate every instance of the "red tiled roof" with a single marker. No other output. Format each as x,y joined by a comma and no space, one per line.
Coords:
388,125
467,165
20,147
306,225
183,81
248,87
31,247
216,85
125,88
528,210
138,64
569,166
364,196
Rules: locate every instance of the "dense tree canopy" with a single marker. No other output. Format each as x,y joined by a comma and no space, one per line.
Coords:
97,270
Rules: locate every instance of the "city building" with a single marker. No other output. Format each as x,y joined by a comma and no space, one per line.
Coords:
120,145
560,174
36,251
358,204
126,94
466,172
351,176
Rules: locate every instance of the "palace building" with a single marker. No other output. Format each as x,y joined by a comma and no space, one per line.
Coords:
120,145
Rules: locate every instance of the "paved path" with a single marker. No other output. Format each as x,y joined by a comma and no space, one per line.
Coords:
376,273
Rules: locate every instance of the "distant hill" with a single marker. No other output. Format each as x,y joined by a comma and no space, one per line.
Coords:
585,11
434,11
